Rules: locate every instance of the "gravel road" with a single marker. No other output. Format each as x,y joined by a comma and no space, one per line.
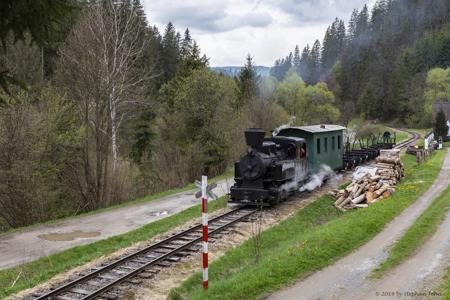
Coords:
32,243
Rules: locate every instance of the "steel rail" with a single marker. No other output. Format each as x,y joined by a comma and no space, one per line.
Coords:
405,143
66,287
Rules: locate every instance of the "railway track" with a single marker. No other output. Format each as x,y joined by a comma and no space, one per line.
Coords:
405,143
105,282
109,281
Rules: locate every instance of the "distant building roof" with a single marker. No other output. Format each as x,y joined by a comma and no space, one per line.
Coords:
445,106
317,128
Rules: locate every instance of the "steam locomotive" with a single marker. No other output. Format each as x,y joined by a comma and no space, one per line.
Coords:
272,169
275,167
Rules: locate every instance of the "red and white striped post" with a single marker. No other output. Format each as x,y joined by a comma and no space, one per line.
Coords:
205,231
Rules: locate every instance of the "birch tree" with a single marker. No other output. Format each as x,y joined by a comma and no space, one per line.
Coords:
121,34
101,64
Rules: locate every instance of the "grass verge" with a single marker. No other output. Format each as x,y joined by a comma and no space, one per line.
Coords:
445,287
147,198
310,240
416,235
30,274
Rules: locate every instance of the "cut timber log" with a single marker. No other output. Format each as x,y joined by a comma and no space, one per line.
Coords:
372,188
369,196
381,190
340,200
361,205
346,201
340,208
375,178
388,160
359,199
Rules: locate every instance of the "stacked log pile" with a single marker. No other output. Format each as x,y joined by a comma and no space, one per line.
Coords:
372,188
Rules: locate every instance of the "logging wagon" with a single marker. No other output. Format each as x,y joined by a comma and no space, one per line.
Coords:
276,167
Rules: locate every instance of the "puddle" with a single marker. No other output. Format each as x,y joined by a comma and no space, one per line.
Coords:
160,213
68,236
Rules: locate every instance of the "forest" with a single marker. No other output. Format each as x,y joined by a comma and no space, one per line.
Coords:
100,107
377,65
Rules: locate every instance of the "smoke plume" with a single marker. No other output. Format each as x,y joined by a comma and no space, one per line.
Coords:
317,179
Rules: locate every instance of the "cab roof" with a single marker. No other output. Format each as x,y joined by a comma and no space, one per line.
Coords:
286,139
314,128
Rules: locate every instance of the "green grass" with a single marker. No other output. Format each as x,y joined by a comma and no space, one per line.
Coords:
423,133
147,198
445,287
33,273
400,135
422,229
310,240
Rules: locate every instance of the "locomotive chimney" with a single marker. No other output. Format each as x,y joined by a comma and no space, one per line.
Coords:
254,137
322,125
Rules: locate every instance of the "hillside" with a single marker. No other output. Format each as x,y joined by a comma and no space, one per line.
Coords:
377,64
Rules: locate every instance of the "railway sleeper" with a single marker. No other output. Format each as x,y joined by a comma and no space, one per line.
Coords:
119,272
108,277
134,281
178,243
162,251
146,275
128,267
141,261
95,283
80,291
164,264
173,258
190,237
169,247
64,297
182,253
109,296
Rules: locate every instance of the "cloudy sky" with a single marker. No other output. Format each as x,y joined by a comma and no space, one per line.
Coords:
227,30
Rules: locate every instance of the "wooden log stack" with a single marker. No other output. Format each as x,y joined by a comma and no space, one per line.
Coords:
372,188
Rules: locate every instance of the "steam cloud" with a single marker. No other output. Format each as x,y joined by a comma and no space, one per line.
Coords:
325,172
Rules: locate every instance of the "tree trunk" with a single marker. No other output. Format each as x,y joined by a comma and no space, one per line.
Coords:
113,111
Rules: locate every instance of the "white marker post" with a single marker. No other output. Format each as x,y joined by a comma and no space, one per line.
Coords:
205,231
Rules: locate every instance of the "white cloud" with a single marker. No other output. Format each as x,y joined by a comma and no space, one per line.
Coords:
228,30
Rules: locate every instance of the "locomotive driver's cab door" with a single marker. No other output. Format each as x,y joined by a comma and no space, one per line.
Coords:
302,156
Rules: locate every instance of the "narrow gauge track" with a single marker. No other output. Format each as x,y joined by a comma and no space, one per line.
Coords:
99,282
405,143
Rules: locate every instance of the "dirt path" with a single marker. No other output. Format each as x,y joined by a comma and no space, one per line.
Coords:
347,278
32,243
418,277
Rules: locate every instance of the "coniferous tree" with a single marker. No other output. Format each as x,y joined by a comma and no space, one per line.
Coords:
332,45
186,45
296,62
192,61
314,63
383,58
247,82
304,70
170,55
275,70
139,11
440,125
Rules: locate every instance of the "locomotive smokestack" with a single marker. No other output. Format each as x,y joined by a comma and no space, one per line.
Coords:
254,137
